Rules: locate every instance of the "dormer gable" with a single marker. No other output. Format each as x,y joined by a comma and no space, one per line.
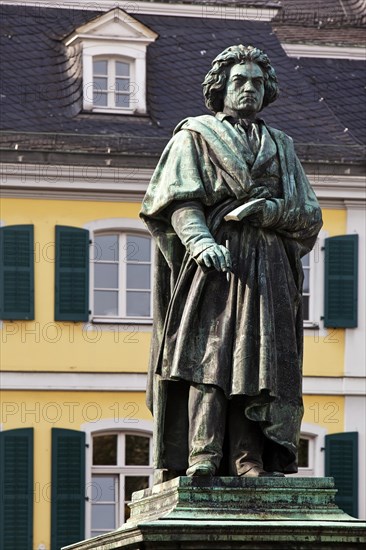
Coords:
114,62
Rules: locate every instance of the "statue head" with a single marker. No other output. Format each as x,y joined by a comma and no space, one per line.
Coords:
216,81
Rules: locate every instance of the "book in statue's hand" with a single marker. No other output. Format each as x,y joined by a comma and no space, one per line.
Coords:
244,210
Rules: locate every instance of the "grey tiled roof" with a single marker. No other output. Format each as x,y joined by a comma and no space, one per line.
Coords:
323,22
41,90
323,36
341,84
322,10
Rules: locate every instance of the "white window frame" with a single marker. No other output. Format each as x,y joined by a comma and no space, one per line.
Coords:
102,427
316,286
124,226
310,269
137,77
308,471
316,437
121,470
122,278
114,34
111,106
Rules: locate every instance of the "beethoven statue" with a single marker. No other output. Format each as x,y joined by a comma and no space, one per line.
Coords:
226,359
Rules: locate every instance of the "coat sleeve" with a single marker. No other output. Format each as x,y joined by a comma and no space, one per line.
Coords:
183,173
296,216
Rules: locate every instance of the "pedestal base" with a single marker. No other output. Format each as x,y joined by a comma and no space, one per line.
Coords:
222,513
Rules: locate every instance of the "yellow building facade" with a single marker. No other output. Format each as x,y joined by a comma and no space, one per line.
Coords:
89,377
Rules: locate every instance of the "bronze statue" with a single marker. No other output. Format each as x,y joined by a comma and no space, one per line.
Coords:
232,213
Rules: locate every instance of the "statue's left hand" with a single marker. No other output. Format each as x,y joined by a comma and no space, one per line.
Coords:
217,256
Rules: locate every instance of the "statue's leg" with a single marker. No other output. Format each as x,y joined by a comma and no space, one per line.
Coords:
207,417
246,442
175,436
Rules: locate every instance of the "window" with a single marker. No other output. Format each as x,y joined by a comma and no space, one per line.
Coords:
121,464
306,287
306,456
122,276
313,268
113,48
112,84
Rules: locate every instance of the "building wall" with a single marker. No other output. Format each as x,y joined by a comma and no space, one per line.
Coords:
98,351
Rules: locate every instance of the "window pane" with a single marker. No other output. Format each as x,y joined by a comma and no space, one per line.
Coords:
138,304
105,450
137,450
106,275
304,453
138,276
103,516
105,302
123,85
306,260
122,69
100,84
306,287
305,305
106,248
100,99
135,483
122,100
100,67
103,488
138,249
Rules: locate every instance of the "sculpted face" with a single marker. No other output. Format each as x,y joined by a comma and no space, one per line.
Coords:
244,91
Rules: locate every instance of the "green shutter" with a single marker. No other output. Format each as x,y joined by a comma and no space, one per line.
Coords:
17,272
68,487
16,489
340,281
341,462
72,274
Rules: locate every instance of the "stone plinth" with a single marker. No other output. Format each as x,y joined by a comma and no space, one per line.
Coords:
235,513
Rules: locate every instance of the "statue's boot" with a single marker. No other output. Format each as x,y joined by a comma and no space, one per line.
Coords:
207,411
246,443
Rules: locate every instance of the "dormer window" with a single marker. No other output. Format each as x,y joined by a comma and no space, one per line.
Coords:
112,84
114,62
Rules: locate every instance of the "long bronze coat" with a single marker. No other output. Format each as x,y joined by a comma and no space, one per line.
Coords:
244,336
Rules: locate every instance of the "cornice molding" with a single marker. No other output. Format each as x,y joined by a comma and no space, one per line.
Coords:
355,205
328,52
87,381
333,204
338,188
203,11
74,182
130,184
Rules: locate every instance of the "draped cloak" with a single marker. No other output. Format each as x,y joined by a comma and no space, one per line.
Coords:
245,335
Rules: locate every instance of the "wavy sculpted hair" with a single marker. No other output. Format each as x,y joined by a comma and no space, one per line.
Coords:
215,80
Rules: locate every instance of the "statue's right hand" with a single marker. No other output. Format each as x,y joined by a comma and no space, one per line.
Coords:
217,256
260,193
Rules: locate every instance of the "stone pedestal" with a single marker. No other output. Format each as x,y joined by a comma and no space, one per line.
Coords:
225,513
